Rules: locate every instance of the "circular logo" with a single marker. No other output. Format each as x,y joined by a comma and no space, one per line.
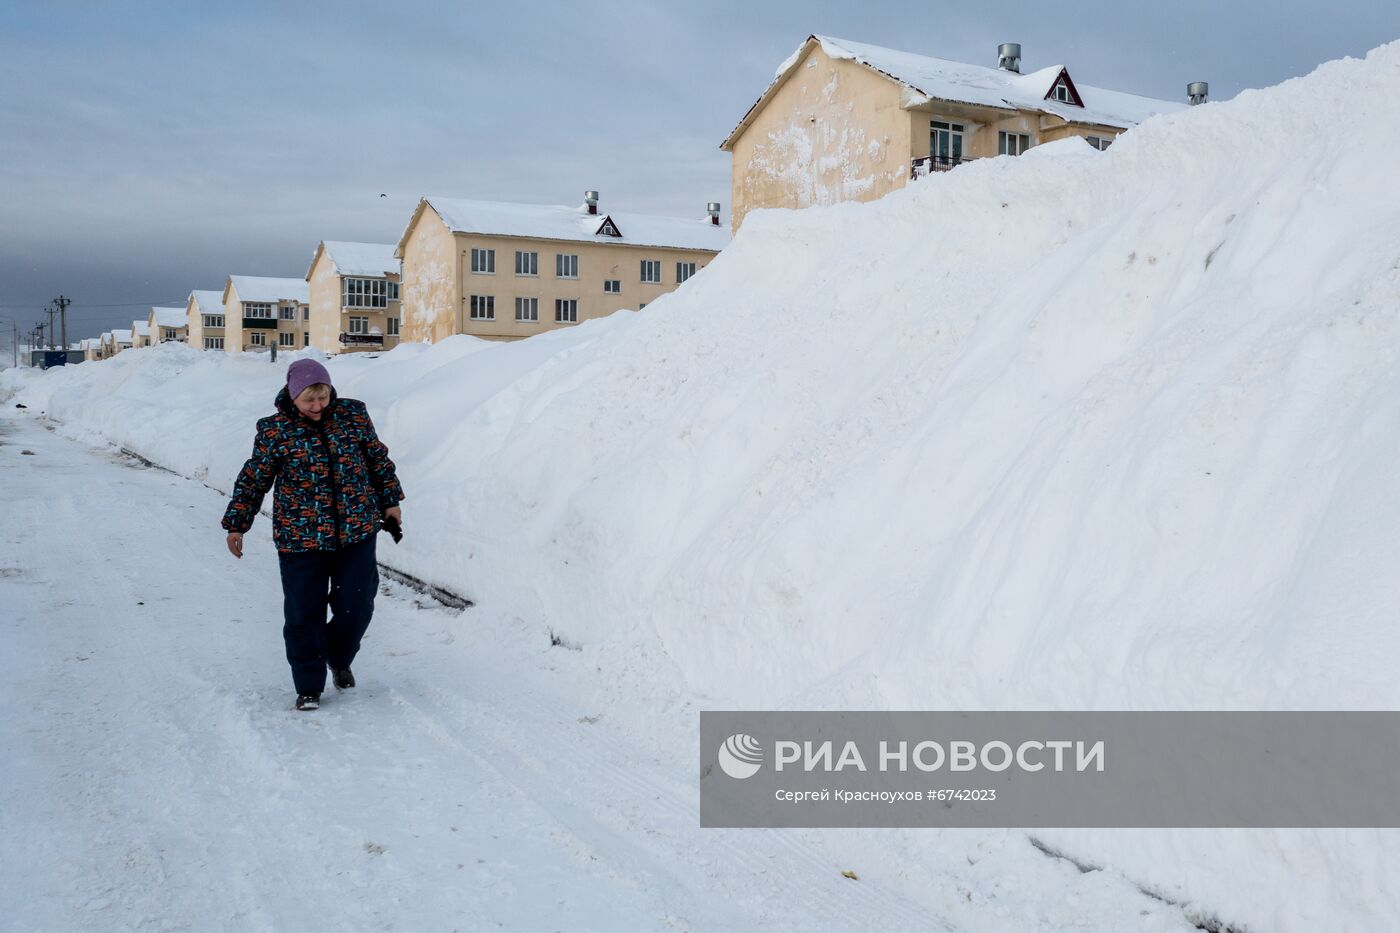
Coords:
741,756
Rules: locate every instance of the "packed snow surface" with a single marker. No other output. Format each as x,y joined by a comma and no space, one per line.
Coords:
1075,430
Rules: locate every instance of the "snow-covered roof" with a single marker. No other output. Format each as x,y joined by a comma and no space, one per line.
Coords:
121,335
367,259
141,328
939,79
208,302
170,317
261,288
550,222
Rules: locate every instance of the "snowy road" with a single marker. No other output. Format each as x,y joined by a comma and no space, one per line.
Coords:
155,776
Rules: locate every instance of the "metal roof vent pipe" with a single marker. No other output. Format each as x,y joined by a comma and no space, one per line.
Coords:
1009,57
591,199
713,208
1197,92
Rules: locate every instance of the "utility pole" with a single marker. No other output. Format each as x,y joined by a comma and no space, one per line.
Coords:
63,304
52,312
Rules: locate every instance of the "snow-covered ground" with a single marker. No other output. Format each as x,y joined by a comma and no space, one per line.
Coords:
1074,430
156,777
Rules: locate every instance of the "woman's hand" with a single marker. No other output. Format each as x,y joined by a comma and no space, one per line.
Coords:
235,544
394,513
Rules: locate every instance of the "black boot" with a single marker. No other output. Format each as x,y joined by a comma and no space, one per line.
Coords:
308,701
343,680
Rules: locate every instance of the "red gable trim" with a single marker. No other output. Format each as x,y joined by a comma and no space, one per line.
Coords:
1069,83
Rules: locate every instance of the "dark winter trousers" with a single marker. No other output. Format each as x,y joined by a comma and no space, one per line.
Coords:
344,581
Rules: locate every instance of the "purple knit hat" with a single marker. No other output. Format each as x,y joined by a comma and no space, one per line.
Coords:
305,373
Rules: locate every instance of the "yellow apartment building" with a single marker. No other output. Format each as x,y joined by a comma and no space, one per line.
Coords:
260,312
164,325
507,271
204,319
846,121
354,297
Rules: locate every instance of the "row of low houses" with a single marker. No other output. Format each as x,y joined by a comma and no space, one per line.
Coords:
841,121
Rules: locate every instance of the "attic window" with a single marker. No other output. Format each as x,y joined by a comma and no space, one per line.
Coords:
608,228
1064,91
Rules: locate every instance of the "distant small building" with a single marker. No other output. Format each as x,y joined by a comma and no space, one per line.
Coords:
847,121
92,349
165,325
204,319
261,311
353,291
507,271
140,334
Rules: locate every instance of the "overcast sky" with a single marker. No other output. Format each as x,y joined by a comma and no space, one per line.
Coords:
147,149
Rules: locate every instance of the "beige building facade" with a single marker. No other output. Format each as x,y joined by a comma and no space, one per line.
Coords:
846,121
509,271
140,334
353,291
204,319
262,312
164,325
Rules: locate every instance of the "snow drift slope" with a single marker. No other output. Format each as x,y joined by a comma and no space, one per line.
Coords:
1074,430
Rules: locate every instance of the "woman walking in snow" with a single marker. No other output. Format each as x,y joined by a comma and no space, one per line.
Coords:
335,482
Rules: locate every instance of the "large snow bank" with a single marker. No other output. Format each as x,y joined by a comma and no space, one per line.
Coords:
1076,430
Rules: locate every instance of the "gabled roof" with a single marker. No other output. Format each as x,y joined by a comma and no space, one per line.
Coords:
120,335
929,79
575,224
208,302
168,317
141,328
261,288
374,260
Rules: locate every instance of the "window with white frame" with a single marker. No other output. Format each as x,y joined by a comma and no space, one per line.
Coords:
684,270
527,310
391,326
212,320
651,270
168,333
257,309
483,261
363,293
527,263
288,312
566,310
945,142
306,312
359,325
566,265
393,291
483,307
1099,142
1061,93
286,339
612,287
1012,143
213,343
257,338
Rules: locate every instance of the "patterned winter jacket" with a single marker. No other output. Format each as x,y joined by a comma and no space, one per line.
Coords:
334,477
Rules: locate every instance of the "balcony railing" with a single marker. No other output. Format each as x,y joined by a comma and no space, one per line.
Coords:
362,340
935,163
